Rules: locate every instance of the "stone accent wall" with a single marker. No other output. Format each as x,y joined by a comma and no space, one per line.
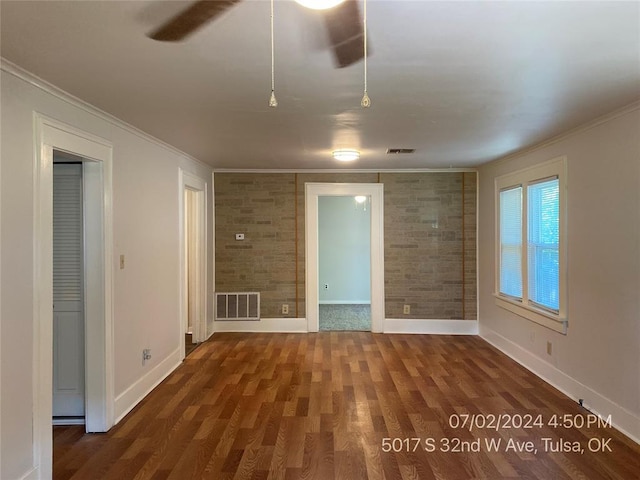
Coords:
424,247
262,207
423,240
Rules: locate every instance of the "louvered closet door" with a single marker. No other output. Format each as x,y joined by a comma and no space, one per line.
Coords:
68,292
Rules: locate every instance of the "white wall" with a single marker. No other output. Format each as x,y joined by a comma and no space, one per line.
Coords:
599,357
344,250
145,224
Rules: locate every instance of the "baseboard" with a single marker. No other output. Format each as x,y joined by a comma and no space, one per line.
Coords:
391,325
67,421
272,325
432,327
621,418
344,302
31,474
128,399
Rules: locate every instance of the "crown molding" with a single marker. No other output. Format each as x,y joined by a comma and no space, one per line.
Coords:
567,134
37,82
337,170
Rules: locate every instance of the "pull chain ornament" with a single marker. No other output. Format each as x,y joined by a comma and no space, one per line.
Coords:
366,101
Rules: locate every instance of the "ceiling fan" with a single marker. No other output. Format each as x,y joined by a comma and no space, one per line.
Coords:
343,23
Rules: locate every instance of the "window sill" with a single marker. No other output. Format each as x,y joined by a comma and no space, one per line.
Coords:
539,316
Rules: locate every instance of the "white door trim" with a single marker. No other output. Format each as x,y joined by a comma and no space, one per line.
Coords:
188,181
49,135
376,192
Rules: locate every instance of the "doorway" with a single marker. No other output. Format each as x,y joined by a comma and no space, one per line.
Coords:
96,156
374,194
193,282
344,256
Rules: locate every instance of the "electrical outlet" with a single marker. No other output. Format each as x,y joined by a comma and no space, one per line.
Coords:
285,309
146,355
121,262
549,348
406,309
326,286
239,236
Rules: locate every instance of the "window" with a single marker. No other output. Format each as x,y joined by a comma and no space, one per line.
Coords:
511,242
530,270
543,244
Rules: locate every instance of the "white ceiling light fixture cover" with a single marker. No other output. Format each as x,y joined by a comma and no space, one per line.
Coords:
346,155
319,4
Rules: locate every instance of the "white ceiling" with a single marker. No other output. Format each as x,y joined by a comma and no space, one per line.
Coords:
461,82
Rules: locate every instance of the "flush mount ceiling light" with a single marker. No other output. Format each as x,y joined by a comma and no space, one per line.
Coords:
346,155
361,200
319,4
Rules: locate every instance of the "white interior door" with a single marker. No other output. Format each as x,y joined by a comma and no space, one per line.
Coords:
68,292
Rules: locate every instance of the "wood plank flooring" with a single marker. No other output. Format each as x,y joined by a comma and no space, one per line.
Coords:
320,406
189,346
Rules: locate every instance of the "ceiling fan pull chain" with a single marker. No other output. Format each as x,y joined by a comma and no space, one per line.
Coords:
366,101
272,99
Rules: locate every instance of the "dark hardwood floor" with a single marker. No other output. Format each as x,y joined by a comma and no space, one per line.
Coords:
322,406
189,346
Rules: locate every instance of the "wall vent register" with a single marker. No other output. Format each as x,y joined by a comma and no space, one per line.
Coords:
238,306
400,151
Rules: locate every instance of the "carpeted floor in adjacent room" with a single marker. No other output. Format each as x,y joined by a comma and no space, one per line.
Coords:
345,317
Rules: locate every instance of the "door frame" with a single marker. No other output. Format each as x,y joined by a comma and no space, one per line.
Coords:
96,152
376,192
188,181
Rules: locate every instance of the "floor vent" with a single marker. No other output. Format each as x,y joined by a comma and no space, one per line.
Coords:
238,306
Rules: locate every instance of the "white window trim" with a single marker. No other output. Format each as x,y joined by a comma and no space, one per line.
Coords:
556,167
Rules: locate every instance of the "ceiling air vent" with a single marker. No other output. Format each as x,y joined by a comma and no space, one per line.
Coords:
400,150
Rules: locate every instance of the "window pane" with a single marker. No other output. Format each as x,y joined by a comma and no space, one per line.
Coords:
544,238
511,242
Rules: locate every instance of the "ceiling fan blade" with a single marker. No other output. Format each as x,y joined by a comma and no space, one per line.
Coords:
191,19
346,33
